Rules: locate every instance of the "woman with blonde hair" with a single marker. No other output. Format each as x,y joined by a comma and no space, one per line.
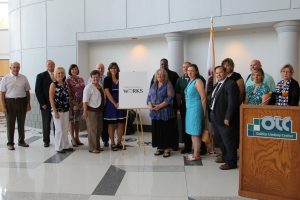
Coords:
258,93
59,100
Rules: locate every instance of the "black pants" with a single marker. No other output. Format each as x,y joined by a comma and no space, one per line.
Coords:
185,137
46,118
16,110
104,136
226,138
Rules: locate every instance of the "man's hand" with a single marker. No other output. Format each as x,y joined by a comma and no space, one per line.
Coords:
44,106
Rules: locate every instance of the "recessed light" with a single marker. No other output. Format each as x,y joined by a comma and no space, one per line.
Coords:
228,29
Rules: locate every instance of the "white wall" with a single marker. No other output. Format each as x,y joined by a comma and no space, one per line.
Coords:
241,46
4,44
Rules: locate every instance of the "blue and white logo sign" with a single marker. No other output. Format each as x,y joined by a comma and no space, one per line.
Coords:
272,127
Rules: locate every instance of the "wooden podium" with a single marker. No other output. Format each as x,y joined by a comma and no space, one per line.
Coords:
270,152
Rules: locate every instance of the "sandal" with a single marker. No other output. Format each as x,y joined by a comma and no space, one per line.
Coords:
192,158
120,146
158,152
167,154
95,151
114,147
74,143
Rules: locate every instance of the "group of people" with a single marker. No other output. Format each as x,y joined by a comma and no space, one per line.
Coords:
202,105
215,105
65,100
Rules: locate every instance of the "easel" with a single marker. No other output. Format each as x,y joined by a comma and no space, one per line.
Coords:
138,122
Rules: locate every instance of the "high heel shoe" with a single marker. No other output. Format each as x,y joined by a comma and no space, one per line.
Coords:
74,144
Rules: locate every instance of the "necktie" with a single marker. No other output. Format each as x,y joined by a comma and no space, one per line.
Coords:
211,105
52,76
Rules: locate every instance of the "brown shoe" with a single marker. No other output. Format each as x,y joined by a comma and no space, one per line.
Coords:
227,167
23,145
10,147
219,160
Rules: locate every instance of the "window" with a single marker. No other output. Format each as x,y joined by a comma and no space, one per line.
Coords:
3,14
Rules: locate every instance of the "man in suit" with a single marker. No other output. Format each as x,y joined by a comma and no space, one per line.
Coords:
224,114
42,84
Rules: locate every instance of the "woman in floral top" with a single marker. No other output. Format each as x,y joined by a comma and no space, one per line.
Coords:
59,100
259,93
75,85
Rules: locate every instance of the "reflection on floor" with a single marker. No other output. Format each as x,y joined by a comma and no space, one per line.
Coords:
134,174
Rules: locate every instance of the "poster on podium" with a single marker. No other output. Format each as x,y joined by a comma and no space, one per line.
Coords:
133,90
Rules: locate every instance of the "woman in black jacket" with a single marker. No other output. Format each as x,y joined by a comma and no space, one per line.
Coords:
287,90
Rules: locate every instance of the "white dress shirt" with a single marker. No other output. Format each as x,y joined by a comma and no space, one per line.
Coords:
15,86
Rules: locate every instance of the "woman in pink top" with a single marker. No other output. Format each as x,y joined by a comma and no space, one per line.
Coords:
76,85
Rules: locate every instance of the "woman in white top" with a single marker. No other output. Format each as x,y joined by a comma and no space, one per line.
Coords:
93,104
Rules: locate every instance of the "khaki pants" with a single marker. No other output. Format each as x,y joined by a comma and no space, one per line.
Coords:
94,123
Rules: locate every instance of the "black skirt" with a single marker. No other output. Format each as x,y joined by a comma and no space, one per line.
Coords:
163,133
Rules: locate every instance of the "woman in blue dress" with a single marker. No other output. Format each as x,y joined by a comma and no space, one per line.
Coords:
259,93
195,110
113,115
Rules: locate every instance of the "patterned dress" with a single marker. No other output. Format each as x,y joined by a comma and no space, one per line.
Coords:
255,94
75,86
61,97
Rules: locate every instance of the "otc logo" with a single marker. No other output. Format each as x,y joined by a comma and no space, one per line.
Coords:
272,127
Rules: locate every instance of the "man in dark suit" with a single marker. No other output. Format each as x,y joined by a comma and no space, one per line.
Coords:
42,84
224,114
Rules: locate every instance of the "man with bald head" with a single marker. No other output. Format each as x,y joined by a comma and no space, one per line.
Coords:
268,80
15,99
42,85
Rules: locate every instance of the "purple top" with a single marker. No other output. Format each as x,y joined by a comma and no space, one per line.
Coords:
157,95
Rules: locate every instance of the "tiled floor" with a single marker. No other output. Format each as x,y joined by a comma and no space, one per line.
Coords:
134,174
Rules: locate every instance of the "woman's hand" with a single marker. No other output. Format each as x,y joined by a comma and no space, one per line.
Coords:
85,114
56,114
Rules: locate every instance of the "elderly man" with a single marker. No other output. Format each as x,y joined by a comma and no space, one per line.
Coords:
268,80
15,99
101,69
42,85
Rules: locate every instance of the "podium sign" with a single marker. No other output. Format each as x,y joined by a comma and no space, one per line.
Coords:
270,152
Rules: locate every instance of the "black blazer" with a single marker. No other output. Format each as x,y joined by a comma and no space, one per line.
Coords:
42,85
227,102
293,98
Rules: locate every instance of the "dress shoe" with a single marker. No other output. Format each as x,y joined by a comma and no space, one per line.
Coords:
46,144
23,145
219,160
227,167
69,149
10,147
183,151
61,151
106,144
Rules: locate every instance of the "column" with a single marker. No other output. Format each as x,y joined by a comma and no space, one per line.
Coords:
175,51
288,40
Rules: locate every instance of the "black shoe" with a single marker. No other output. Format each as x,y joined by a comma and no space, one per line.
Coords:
183,151
69,149
106,144
61,151
46,144
227,167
